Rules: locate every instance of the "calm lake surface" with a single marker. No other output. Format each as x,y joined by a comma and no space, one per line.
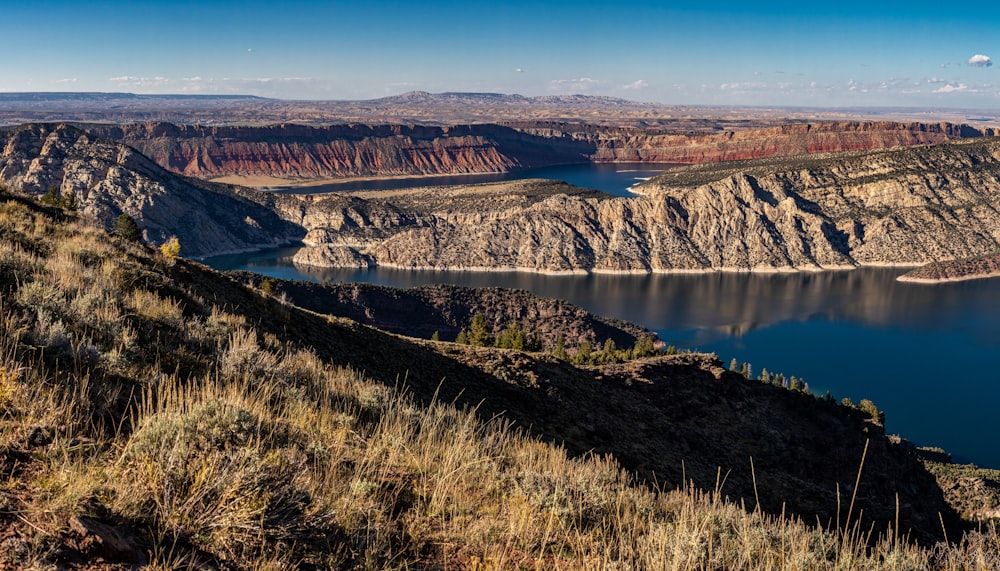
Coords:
929,356
613,178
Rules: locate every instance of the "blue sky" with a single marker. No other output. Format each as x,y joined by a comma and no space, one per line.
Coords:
730,53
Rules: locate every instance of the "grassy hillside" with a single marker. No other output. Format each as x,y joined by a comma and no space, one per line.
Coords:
154,411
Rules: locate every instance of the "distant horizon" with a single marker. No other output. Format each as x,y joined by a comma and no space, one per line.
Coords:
483,93
726,53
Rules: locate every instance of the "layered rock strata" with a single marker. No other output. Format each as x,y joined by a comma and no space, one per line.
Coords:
108,179
302,152
895,207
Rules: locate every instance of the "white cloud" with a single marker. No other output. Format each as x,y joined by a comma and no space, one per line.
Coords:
980,60
741,87
573,85
637,84
949,88
518,70
66,80
133,81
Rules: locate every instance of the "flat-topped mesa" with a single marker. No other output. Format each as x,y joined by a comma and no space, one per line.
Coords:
905,206
301,152
296,152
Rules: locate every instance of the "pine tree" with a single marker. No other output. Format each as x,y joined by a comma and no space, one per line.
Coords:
463,338
436,336
68,200
733,365
127,229
559,351
479,332
51,196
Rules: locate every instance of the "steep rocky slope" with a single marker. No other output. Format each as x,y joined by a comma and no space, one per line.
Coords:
108,179
168,330
297,152
446,309
900,206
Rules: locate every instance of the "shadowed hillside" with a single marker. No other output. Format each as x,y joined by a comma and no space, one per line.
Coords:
155,410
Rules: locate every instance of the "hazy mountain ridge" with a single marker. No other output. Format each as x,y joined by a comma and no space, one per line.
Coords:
436,109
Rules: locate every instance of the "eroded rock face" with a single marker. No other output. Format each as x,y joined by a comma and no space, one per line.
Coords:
108,179
298,151
904,206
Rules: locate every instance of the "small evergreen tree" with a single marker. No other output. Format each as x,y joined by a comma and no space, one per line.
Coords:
127,229
436,336
51,196
610,347
479,332
643,347
68,200
534,343
734,365
463,338
559,351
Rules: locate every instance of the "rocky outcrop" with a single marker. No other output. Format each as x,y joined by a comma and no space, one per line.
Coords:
108,179
955,270
302,152
903,206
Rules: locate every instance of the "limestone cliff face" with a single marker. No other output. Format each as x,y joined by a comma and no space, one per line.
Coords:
109,179
903,206
298,151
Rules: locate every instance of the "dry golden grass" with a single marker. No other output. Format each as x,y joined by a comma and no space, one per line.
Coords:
214,444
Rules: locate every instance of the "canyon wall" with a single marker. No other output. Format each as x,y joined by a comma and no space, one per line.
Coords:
108,179
300,152
903,206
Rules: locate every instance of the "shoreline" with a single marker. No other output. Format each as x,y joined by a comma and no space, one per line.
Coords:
279,184
274,183
932,281
783,270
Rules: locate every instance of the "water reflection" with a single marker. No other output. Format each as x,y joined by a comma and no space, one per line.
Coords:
612,178
924,354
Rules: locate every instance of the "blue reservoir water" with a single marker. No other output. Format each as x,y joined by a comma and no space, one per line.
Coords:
929,356
613,178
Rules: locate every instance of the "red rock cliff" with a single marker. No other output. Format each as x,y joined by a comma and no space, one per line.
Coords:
297,151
